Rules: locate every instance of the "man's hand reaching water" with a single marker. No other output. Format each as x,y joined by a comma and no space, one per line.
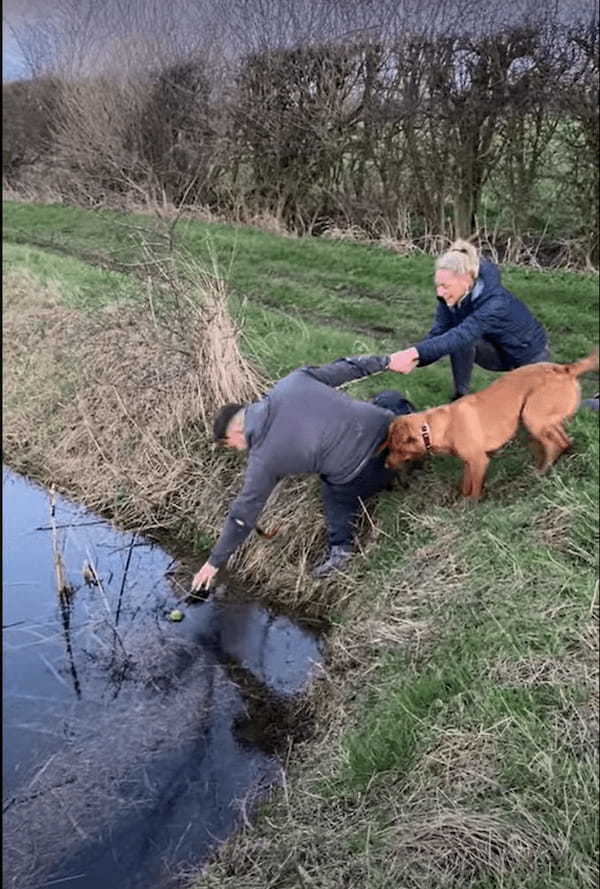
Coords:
202,579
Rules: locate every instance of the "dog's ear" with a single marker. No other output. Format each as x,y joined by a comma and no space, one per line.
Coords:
400,433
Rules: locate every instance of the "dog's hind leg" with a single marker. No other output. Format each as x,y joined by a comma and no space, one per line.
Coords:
552,453
556,442
548,436
557,434
537,449
553,442
474,475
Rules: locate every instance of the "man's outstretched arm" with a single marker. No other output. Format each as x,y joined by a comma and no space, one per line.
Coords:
345,369
241,519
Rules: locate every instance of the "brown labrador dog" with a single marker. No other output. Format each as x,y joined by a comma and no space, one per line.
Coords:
540,396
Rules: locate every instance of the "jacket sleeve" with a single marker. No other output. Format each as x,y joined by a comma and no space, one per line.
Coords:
442,321
463,335
345,369
259,482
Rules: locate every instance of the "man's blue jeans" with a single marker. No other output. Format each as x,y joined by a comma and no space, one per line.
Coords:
486,355
342,502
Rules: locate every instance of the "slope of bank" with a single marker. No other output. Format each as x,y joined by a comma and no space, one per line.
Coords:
456,740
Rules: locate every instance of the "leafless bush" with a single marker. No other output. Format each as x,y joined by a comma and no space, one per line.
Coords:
411,130
28,113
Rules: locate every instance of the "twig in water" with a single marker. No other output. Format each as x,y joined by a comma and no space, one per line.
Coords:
65,611
53,670
181,838
77,827
124,581
106,605
60,880
63,587
119,549
41,771
70,525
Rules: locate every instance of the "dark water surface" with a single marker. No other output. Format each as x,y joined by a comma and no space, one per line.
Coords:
126,756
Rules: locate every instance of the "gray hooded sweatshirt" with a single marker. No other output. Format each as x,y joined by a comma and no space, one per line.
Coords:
303,425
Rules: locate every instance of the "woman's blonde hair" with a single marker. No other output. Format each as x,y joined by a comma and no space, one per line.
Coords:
461,258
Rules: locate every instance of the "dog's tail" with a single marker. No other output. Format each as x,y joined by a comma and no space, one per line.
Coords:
583,365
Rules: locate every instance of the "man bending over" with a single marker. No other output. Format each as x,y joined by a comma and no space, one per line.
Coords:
304,425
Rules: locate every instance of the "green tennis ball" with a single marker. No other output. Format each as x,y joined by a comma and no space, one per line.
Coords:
176,615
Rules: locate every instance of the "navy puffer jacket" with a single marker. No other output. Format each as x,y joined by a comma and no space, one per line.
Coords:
489,312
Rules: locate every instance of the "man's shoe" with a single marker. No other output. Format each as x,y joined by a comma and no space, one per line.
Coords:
458,395
336,558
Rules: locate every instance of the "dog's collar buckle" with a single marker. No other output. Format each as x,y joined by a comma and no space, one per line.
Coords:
426,434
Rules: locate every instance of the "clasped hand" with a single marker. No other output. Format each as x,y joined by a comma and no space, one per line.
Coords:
405,361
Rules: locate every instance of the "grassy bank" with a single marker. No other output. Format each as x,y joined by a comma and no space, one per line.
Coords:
457,723
366,290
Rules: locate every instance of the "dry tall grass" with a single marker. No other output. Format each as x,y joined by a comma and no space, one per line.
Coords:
115,409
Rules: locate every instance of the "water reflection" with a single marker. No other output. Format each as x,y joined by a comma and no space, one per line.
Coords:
266,644
122,762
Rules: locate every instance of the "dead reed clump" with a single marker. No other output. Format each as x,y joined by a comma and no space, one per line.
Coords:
116,407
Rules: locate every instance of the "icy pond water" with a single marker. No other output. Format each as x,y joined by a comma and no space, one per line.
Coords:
132,745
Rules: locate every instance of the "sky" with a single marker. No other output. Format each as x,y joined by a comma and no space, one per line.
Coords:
85,32
13,13
12,60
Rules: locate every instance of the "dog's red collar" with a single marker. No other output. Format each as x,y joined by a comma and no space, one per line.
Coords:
426,434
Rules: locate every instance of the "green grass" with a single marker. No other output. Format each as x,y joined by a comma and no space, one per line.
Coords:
508,586
510,658
367,284
81,285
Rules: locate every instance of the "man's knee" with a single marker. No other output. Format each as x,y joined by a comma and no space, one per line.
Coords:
394,401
